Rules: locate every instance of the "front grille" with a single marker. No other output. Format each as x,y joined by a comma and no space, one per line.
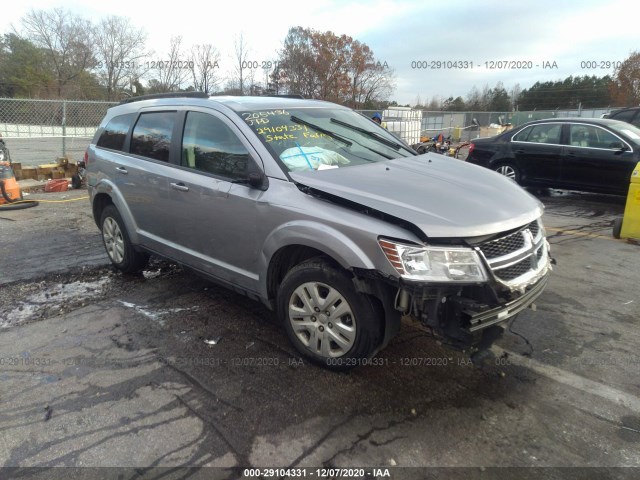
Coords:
514,271
503,246
509,243
516,253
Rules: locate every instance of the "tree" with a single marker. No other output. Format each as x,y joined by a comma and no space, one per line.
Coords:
169,74
515,93
499,100
241,64
24,72
203,62
625,87
572,92
296,63
66,40
119,47
333,67
474,100
434,104
370,81
454,104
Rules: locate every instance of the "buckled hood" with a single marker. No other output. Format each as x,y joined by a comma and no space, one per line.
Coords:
441,196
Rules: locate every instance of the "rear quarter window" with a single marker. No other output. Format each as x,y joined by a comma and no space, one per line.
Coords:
115,132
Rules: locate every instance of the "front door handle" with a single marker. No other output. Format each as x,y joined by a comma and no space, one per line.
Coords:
122,170
180,186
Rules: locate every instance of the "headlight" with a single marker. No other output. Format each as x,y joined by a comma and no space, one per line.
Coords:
434,264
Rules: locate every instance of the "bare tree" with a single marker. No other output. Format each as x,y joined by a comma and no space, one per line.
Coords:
119,48
375,85
204,62
514,94
169,73
474,99
66,40
241,64
434,104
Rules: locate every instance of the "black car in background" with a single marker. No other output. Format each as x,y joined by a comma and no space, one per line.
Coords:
594,155
629,115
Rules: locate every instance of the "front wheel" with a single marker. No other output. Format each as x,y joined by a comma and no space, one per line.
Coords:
325,318
117,243
509,170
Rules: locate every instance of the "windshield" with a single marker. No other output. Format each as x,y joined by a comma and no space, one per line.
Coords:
323,138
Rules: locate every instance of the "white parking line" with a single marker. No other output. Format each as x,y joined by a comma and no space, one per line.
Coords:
614,395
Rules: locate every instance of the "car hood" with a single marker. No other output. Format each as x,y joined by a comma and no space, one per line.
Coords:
441,196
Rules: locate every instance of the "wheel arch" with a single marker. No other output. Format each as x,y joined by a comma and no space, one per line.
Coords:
294,242
105,194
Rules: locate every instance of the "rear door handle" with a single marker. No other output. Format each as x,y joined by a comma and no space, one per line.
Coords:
122,170
180,186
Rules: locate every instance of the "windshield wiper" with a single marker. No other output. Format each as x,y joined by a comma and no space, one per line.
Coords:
335,136
374,135
318,128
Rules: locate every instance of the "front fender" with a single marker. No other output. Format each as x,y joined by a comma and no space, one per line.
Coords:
326,239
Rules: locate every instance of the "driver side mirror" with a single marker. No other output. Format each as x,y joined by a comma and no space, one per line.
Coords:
258,180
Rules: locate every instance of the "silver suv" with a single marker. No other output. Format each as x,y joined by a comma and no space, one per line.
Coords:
321,214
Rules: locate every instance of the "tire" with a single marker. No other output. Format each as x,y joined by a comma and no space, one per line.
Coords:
509,170
617,228
117,243
76,181
345,337
462,152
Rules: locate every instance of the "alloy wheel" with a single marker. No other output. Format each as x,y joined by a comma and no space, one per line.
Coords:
113,240
508,171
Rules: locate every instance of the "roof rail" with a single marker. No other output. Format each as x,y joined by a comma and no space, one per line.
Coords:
166,95
286,95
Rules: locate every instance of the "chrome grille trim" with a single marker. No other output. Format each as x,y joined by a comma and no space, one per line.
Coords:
518,259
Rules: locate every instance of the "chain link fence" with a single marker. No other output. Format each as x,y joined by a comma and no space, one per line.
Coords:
40,131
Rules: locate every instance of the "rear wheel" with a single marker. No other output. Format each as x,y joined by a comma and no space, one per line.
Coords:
509,170
117,243
325,318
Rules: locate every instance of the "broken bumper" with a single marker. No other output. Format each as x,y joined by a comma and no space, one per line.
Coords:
479,319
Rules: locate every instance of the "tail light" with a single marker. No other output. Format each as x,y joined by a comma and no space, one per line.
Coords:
471,147
86,157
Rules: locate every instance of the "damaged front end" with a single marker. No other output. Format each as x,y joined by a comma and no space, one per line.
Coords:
464,294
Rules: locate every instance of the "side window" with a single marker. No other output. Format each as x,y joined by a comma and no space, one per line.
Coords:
523,135
152,135
593,137
115,132
210,146
544,133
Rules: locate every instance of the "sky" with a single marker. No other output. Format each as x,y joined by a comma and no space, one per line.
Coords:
514,42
